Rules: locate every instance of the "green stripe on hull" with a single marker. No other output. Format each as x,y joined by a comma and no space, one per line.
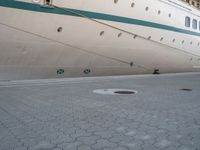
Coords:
94,15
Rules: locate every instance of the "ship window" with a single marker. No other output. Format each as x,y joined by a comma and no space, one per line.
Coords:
120,34
187,21
132,4
47,2
193,3
101,33
194,24
199,25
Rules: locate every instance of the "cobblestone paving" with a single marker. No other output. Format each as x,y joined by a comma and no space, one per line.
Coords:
66,115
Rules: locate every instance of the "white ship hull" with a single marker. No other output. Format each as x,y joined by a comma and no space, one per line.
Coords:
31,47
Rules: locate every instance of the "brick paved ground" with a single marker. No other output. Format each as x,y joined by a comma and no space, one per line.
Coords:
66,114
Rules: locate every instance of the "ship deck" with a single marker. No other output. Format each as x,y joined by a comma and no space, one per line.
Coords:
65,114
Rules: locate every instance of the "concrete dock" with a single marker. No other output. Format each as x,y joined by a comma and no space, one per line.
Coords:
66,114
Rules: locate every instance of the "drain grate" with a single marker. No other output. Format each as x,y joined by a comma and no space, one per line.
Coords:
125,92
115,91
185,89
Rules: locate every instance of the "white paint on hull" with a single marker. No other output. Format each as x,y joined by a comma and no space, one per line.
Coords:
34,48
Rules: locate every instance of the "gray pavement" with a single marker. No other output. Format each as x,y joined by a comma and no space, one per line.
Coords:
65,114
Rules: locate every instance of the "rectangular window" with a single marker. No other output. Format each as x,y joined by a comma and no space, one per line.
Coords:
187,21
199,25
194,24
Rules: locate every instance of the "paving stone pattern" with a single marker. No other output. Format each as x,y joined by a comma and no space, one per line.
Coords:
66,115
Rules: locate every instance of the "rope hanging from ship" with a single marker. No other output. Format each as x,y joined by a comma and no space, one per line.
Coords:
90,52
131,64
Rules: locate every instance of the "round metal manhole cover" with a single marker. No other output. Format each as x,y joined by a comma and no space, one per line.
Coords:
115,91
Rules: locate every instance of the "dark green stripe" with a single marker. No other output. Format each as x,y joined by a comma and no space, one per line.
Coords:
47,9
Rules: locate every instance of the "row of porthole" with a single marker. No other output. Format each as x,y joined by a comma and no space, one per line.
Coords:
183,41
149,38
62,71
146,8
102,33
86,71
159,12
187,21
120,34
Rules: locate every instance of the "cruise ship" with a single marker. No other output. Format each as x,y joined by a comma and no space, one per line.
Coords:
42,39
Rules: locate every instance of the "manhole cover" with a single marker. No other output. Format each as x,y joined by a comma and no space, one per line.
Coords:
186,89
115,91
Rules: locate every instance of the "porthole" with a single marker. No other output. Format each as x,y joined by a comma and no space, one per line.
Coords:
134,36
132,4
173,40
120,34
115,1
161,39
147,8
60,71
101,33
48,2
170,15
86,71
149,38
191,43
182,41
159,12
198,44
59,29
